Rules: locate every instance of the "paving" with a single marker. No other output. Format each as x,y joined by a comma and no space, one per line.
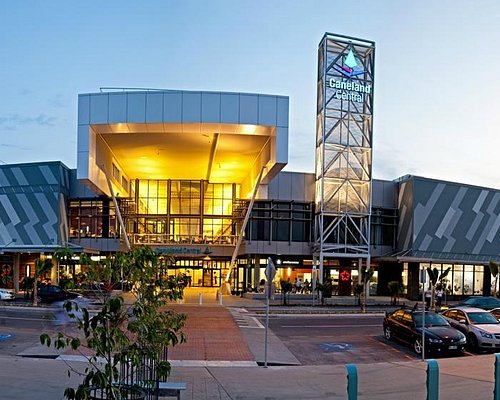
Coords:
224,356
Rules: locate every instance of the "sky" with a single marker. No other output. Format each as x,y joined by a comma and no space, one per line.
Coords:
436,106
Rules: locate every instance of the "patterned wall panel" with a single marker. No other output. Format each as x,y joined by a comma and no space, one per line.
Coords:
32,203
451,218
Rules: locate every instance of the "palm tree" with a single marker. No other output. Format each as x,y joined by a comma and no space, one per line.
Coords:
435,277
42,267
494,267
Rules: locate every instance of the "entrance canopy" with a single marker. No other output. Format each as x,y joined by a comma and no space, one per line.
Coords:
158,134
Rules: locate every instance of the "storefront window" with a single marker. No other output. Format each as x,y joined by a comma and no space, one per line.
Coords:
468,279
478,279
458,278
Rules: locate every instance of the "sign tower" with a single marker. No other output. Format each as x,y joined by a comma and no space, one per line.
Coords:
344,125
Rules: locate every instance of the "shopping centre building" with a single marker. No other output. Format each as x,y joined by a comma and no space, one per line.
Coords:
199,176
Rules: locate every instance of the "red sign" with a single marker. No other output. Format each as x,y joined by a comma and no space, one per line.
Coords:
345,276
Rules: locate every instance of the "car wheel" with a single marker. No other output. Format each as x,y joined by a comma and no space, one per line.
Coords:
472,342
388,333
417,346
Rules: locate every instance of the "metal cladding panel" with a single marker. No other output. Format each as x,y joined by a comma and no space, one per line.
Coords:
117,107
249,109
136,107
29,203
405,211
384,193
210,107
454,218
191,107
154,107
282,111
296,186
267,110
172,106
230,108
83,109
99,108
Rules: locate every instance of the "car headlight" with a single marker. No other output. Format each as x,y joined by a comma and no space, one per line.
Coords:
432,340
486,335
463,340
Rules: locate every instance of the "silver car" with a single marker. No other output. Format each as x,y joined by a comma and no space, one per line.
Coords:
480,327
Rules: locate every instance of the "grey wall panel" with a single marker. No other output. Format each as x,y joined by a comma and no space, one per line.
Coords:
210,107
298,186
191,107
230,108
384,193
172,107
154,107
29,203
267,110
117,107
448,218
83,109
249,109
136,107
99,108
404,240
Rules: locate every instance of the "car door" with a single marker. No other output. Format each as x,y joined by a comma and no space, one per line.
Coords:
408,328
396,323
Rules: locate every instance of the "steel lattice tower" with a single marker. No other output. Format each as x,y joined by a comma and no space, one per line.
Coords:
344,127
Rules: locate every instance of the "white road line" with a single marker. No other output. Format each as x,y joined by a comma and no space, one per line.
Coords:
27,319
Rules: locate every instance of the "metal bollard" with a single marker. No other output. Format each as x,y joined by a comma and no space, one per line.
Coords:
352,382
220,298
432,380
496,388
200,299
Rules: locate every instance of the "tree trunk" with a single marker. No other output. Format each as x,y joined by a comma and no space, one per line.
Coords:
35,293
433,297
362,298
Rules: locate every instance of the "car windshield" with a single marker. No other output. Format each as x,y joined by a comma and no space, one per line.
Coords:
478,318
431,319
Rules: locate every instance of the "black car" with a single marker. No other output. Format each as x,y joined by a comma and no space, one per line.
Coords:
440,337
51,293
484,302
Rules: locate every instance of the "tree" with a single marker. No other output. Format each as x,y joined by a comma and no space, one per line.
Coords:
494,268
42,268
325,289
62,255
126,339
435,277
366,275
396,288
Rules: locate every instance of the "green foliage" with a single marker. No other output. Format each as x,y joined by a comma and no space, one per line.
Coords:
123,333
396,288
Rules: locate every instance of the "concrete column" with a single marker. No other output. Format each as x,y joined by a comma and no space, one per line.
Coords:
54,276
17,261
256,271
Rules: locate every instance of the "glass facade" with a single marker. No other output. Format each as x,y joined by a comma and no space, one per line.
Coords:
281,221
92,218
462,280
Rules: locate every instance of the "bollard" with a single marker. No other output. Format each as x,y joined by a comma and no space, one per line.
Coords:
496,389
352,382
200,299
220,298
432,380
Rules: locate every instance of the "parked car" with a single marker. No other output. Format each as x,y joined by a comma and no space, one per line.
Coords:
50,293
6,294
440,337
480,327
484,302
496,313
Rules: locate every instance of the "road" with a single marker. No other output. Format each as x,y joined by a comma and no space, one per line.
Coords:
337,339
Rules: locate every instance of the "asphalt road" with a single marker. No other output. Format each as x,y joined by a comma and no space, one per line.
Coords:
338,339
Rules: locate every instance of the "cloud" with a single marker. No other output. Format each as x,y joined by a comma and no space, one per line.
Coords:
58,101
12,121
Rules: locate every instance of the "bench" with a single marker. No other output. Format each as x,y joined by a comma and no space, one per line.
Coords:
171,389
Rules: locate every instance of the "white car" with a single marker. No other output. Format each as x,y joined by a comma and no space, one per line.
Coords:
480,327
6,294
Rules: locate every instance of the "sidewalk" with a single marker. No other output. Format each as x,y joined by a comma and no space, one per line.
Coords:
223,360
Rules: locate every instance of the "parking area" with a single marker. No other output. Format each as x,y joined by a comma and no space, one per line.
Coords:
339,339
